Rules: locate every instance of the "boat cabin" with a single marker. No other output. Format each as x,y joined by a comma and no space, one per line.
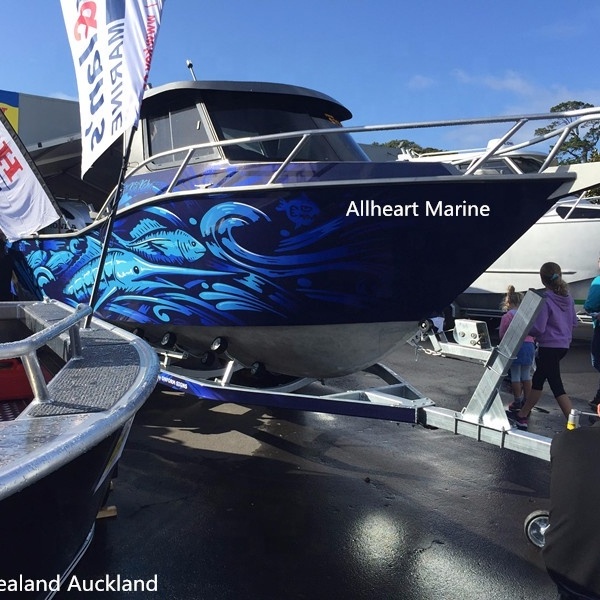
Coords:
205,112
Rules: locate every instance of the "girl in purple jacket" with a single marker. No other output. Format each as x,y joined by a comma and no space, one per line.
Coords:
553,331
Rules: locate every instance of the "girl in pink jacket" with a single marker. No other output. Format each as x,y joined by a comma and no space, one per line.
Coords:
522,366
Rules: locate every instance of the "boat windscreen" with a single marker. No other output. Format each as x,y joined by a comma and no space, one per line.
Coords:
528,164
234,122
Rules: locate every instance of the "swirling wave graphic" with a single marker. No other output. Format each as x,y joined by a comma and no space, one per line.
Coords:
234,265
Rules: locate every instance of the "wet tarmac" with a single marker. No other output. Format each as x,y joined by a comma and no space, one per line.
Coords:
224,502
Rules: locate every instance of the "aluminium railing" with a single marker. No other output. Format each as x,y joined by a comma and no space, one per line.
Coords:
499,148
26,349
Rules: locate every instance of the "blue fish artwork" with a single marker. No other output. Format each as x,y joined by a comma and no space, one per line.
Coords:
158,244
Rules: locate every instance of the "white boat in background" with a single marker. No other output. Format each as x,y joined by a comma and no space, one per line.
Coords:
567,234
502,159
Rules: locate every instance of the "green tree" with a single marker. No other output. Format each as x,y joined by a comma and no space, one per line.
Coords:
581,144
407,145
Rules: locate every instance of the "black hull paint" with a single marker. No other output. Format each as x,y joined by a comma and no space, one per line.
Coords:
48,523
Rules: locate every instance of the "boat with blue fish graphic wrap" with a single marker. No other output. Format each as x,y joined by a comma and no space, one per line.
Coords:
249,214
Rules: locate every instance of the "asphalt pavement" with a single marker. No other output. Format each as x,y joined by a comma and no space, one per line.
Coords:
227,502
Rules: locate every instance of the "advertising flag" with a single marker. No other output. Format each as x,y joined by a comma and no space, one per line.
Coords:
112,42
25,206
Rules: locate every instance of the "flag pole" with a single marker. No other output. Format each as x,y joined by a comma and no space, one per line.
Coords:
109,225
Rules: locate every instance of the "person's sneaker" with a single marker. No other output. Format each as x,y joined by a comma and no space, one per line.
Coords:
516,405
522,422
519,422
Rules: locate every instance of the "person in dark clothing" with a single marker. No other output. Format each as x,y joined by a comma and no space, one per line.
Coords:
6,272
572,544
592,307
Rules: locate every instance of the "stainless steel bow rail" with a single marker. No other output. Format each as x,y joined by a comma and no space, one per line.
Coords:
502,145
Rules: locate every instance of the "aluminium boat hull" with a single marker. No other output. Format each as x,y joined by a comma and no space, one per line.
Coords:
60,449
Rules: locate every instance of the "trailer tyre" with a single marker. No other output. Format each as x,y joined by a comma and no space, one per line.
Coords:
426,325
535,527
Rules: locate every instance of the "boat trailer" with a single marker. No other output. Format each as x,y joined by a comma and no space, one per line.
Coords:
484,418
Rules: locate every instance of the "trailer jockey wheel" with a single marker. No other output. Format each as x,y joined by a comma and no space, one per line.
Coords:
168,340
535,527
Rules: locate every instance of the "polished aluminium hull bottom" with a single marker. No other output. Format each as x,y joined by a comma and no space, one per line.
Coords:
302,351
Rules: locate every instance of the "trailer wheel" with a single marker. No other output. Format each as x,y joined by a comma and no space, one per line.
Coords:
425,325
535,527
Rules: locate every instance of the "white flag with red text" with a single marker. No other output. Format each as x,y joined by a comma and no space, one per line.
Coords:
25,206
112,42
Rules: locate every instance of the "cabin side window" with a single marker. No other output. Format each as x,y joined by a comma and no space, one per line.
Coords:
509,165
178,129
585,211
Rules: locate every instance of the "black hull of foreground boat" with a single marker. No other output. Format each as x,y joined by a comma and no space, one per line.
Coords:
51,522
59,452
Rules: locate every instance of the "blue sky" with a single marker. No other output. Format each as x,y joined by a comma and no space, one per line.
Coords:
387,60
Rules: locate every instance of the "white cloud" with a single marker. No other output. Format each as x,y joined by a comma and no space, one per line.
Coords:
420,82
523,96
510,81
